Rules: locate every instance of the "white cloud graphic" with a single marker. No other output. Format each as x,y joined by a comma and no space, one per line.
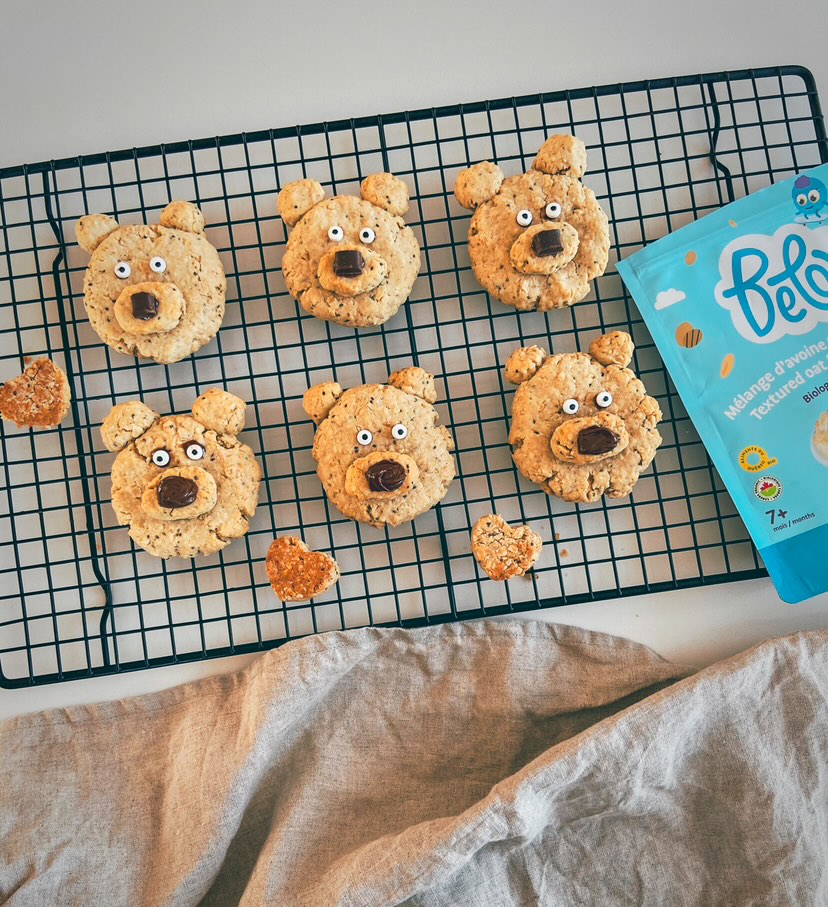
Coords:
669,297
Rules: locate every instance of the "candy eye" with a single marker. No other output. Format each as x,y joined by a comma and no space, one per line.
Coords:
553,210
367,235
801,199
813,196
194,451
158,264
570,406
160,457
123,270
336,234
399,431
364,437
524,217
603,399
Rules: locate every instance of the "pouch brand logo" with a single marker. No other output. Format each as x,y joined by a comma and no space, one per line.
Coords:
775,285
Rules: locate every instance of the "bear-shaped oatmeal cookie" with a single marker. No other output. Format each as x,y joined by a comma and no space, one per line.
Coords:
382,457
153,290
536,240
350,260
185,485
582,425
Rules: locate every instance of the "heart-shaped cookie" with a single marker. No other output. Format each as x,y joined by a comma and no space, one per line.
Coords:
39,398
297,573
504,551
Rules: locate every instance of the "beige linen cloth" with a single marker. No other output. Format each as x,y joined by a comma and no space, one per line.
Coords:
481,764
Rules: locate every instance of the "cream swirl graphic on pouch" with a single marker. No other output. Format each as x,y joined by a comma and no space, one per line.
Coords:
775,285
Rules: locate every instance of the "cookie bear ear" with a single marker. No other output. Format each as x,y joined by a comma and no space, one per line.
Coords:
182,216
125,423
93,229
477,184
416,381
319,399
615,348
296,199
385,191
562,154
523,363
222,412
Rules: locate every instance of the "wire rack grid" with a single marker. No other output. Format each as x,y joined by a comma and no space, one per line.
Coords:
77,599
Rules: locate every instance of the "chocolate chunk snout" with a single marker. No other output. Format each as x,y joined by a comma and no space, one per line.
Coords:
176,491
387,475
547,242
348,263
144,306
595,440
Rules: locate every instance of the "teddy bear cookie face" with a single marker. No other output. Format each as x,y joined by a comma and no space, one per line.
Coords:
536,240
349,260
155,291
381,455
582,424
185,485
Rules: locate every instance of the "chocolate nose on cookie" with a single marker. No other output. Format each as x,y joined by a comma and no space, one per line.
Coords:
595,440
547,242
387,475
176,491
348,263
144,306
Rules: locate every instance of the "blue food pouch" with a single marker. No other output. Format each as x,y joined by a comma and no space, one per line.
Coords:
737,304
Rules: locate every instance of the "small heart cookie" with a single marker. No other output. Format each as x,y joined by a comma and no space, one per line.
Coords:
296,573
504,551
39,398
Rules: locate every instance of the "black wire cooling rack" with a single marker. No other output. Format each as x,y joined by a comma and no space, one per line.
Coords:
77,599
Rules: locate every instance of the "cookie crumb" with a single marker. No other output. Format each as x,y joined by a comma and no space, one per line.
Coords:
39,398
296,573
504,551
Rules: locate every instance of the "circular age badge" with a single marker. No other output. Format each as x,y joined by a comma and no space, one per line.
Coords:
767,488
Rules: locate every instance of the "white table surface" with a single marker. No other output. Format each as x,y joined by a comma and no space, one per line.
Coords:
89,76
